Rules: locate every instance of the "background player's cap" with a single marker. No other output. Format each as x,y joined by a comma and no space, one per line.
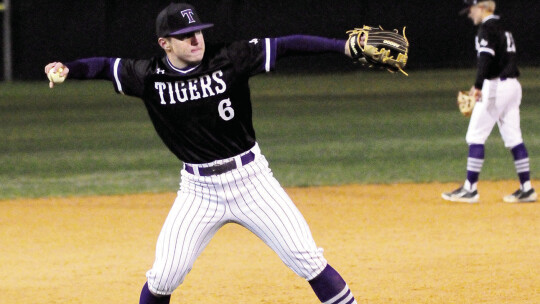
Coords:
469,3
178,19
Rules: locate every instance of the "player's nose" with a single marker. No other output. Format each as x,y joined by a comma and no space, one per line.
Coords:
196,38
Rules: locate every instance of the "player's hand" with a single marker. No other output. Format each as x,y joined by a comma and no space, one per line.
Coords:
476,93
348,49
55,66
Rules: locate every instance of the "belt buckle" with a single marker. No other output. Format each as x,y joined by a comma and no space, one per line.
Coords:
223,168
214,170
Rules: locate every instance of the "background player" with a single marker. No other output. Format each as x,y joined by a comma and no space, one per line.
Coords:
198,99
498,93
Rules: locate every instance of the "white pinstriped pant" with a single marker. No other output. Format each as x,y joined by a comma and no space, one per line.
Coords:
249,196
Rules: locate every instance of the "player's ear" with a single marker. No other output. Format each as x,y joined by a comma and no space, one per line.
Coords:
164,43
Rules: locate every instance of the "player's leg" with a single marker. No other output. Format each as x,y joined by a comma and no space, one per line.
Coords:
468,193
262,206
330,287
526,192
509,126
482,121
481,124
148,297
193,219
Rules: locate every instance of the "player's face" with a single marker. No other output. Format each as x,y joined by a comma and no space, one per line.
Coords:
187,49
475,14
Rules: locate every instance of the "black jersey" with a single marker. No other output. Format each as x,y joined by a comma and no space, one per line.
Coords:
492,39
202,113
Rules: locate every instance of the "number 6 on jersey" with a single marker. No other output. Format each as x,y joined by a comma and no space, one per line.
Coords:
225,110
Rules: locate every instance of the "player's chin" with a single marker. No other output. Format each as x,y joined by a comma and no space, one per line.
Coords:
196,57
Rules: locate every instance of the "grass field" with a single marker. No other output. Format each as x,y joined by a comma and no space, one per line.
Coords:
82,138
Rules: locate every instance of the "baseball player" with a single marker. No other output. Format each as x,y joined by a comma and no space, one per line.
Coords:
198,99
498,94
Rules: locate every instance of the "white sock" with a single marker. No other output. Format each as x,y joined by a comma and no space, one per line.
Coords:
468,186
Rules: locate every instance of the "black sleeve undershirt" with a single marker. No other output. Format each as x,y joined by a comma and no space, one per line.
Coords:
484,61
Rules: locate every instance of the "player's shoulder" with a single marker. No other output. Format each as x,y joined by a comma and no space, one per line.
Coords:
212,49
492,25
489,29
141,65
234,50
233,46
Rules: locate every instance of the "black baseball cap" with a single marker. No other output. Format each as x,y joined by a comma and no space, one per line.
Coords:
469,3
178,19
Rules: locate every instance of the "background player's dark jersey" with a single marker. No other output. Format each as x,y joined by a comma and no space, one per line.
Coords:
202,113
495,41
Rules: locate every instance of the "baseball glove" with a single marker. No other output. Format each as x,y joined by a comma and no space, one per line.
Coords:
465,103
382,48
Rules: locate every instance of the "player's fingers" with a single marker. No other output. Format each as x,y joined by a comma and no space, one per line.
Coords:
51,84
65,71
49,66
479,96
471,91
56,66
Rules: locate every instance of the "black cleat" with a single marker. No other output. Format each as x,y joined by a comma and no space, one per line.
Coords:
462,195
521,197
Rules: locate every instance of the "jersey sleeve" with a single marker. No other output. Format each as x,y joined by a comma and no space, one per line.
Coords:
254,56
304,44
486,43
129,76
484,61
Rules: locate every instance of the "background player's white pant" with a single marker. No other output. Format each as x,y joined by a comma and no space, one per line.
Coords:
249,196
500,104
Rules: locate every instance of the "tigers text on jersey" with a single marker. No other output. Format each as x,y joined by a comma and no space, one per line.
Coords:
202,113
492,39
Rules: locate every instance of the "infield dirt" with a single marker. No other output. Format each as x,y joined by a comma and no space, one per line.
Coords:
396,243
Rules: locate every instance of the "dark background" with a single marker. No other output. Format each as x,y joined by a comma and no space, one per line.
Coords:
45,31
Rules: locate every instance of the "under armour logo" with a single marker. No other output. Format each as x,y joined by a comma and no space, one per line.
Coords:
160,71
189,14
254,41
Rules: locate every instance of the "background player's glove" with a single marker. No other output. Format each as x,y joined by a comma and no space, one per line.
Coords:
465,103
382,48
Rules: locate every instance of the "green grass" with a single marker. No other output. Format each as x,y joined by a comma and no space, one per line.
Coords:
368,127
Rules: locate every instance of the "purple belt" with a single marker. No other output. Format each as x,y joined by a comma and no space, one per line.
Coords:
223,168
